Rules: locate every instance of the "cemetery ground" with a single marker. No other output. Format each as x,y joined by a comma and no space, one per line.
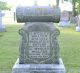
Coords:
69,42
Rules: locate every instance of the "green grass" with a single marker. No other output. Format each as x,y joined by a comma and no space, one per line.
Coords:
9,42
69,41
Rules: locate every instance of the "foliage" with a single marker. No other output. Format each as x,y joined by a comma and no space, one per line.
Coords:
76,7
4,6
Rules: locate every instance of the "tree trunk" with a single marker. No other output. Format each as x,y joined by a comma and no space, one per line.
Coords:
57,2
74,12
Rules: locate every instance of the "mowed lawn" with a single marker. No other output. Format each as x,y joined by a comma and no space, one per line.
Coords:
69,41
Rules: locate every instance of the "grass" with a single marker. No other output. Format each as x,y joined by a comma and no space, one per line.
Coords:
69,41
9,42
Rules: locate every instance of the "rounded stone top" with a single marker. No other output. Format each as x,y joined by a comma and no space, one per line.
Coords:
38,14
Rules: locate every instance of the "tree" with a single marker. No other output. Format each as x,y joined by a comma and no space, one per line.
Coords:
76,7
4,6
57,1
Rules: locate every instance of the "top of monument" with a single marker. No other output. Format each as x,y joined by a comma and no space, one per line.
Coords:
38,14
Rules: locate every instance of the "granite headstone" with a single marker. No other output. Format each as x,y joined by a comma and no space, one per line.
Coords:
39,48
2,26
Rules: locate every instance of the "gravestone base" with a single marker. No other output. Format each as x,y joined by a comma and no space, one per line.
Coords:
64,24
39,68
2,28
78,29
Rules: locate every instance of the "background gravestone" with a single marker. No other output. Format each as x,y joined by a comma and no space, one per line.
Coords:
78,24
2,26
64,20
39,48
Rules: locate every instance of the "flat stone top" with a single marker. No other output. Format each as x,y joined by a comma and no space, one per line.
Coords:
38,14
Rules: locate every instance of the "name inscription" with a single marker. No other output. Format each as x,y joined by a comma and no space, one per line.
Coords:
39,45
38,11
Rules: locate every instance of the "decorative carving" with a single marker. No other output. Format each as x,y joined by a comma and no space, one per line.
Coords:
39,46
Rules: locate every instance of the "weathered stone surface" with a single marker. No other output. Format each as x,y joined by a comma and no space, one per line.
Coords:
39,43
38,14
39,48
39,68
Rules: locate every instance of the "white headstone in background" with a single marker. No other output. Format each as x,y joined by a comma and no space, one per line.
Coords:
78,24
2,27
64,20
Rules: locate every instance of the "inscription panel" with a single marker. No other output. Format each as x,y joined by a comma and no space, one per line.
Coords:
39,45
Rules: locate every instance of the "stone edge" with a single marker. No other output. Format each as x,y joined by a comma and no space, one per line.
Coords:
20,68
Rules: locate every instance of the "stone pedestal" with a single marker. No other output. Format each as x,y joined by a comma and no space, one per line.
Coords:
39,68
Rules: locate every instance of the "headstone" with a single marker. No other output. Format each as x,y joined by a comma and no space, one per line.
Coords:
64,20
78,24
2,26
39,48
73,20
